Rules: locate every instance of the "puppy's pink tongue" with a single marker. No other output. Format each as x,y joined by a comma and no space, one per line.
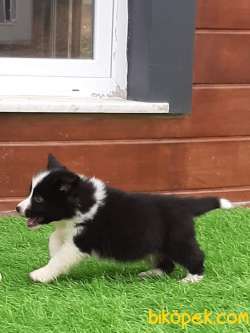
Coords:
32,222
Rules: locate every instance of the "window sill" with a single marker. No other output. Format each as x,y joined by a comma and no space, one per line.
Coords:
54,104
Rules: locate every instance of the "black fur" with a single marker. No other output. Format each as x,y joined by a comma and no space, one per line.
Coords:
131,226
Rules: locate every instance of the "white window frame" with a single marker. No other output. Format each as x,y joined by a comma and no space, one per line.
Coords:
104,76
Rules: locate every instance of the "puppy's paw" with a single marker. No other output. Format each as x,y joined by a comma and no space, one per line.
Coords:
156,272
192,278
42,275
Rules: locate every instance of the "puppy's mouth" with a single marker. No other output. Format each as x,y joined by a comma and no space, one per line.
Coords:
34,222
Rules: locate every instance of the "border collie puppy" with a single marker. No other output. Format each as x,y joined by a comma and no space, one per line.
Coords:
93,218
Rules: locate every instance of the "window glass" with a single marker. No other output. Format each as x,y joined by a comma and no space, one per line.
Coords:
47,28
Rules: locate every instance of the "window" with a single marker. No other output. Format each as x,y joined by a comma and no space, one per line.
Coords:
63,47
140,50
7,11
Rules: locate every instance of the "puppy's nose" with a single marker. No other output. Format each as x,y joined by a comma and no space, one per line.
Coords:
18,209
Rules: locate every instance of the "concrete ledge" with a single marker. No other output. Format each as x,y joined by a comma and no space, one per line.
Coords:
54,104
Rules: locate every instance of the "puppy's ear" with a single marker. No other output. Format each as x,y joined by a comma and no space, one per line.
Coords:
67,181
53,163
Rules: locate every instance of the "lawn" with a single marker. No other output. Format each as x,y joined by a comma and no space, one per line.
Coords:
102,296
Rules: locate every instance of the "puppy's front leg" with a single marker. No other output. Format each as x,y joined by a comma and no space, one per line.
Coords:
56,241
68,256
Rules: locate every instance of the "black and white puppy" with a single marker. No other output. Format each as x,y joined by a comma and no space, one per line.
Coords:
93,218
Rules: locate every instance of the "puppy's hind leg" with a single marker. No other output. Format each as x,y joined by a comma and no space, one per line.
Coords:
192,258
166,264
163,265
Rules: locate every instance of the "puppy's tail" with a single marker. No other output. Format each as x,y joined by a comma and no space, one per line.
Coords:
199,206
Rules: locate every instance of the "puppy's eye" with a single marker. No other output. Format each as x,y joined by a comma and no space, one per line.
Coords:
38,199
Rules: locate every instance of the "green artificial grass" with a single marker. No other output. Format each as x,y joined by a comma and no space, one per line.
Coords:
103,296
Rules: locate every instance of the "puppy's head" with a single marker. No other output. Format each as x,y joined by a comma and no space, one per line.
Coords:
55,194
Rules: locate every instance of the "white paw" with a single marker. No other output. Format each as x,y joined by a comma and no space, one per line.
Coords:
192,278
41,275
156,272
225,204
